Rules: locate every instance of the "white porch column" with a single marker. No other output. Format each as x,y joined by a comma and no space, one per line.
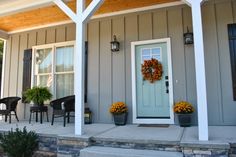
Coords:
79,70
200,69
80,18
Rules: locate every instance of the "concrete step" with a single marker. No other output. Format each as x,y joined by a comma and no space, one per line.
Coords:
96,151
44,154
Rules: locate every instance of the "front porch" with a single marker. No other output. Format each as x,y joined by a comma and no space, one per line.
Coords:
61,140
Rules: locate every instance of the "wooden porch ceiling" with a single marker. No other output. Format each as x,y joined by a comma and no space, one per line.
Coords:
52,14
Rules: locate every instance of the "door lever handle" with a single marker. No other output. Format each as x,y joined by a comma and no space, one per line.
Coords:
167,86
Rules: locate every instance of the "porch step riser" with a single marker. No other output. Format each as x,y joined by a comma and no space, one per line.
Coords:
119,152
173,147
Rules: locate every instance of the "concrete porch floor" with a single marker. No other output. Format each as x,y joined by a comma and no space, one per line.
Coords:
218,135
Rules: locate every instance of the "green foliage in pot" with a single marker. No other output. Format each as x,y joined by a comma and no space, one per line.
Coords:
38,95
19,143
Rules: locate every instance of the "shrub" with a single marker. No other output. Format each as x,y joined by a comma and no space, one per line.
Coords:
19,143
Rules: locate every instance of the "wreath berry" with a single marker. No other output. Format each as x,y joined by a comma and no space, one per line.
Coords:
152,70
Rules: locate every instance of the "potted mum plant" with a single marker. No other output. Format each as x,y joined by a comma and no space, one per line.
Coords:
38,95
184,110
119,110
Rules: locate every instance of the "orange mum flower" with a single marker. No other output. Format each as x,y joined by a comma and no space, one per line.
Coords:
183,107
118,108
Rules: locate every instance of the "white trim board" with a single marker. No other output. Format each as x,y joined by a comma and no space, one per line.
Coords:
158,6
133,72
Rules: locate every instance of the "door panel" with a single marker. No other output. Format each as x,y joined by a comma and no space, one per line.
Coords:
152,98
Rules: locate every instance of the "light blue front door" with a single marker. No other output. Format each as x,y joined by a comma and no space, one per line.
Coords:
152,99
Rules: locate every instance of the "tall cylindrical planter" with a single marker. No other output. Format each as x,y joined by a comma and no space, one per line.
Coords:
185,120
120,119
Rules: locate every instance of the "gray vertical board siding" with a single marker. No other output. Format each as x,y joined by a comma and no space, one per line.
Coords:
7,67
234,9
93,70
223,18
61,33
160,24
212,64
41,37
131,34
118,62
189,62
145,26
23,46
70,32
50,35
32,39
175,30
14,66
105,71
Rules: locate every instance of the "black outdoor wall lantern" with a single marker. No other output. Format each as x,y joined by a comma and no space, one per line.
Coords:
115,45
87,116
188,37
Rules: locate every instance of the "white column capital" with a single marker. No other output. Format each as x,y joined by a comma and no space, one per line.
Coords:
193,2
66,10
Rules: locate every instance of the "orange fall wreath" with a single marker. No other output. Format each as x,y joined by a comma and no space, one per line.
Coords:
152,70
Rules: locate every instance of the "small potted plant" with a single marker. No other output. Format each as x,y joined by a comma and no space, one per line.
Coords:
38,95
184,110
119,110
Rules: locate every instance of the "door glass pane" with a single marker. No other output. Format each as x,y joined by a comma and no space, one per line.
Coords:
43,60
157,57
64,85
156,51
145,58
64,58
146,52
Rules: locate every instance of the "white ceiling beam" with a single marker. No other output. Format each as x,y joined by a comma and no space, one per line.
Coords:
11,7
66,10
90,10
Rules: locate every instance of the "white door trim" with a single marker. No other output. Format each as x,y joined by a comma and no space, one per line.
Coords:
133,62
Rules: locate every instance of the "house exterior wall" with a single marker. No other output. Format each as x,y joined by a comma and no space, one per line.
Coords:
16,45
109,74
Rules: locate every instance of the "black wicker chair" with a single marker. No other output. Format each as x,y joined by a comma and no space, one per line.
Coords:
62,108
10,103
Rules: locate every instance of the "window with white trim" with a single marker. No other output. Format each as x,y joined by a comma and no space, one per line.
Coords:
53,67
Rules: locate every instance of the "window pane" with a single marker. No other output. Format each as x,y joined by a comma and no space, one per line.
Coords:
64,58
64,85
43,60
156,51
44,80
158,57
146,52
145,58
